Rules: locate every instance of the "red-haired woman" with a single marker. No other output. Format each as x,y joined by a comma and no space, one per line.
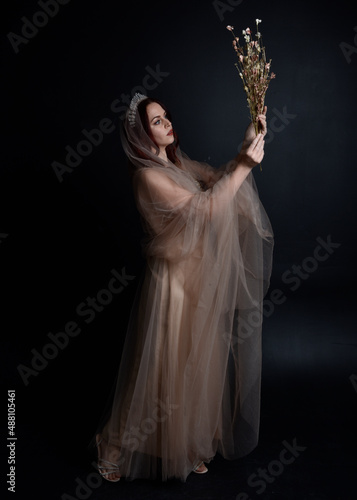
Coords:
189,380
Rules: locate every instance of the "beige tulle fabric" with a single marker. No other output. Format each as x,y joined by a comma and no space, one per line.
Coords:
189,380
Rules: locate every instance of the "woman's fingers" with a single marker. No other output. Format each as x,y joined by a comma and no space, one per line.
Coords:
259,146
253,155
258,142
256,150
263,120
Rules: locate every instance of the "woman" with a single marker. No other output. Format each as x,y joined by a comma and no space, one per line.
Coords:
189,380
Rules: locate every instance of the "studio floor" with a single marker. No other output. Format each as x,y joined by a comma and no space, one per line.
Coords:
309,402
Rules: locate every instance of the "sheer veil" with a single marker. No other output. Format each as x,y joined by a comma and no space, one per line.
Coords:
189,381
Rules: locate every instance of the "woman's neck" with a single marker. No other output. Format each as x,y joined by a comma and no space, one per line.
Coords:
163,154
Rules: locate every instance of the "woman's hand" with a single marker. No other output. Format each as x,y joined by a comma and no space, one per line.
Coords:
254,154
246,160
250,132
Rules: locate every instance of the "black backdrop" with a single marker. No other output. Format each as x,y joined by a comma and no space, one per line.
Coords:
65,228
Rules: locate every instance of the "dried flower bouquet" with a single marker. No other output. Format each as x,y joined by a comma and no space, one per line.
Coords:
254,70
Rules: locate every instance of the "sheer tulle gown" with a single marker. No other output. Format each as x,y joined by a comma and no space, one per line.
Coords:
189,380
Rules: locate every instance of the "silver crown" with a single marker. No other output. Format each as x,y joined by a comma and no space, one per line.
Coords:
133,107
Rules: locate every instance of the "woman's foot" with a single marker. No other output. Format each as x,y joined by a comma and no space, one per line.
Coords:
108,457
200,468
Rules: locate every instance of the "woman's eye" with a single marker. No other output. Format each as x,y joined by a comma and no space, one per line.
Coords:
158,121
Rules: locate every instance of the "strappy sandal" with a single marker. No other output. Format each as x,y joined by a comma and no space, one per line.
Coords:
198,471
102,464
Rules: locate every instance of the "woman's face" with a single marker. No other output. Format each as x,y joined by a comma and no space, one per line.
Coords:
160,126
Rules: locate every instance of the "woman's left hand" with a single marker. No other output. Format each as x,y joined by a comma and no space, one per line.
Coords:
250,132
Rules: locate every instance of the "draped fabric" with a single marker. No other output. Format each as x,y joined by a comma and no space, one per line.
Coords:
189,380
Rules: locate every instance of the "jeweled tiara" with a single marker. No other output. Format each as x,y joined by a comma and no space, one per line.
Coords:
133,107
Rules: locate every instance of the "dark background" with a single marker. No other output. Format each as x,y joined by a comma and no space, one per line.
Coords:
59,241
